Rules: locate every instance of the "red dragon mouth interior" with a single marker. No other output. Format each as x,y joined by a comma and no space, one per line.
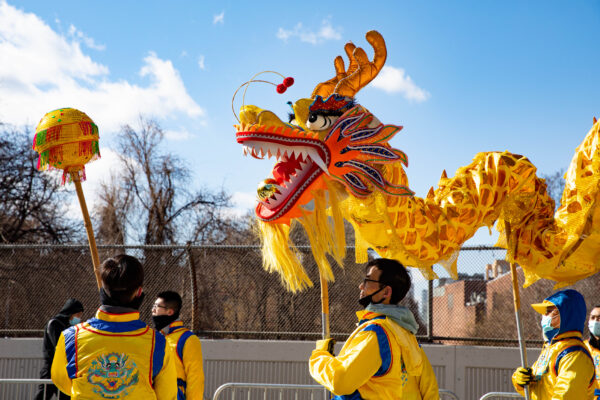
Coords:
300,160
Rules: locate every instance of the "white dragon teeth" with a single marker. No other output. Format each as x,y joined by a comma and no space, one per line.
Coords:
314,155
301,154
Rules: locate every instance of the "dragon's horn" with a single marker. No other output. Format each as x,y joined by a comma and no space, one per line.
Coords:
360,72
595,120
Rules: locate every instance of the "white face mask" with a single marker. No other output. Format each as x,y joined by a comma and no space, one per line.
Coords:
594,328
546,323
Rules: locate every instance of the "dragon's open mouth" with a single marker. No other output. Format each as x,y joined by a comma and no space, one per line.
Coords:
300,161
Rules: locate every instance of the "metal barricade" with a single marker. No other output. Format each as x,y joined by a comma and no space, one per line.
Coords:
276,391
501,395
21,389
270,391
446,394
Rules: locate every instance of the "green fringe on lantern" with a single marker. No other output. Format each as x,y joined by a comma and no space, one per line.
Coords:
43,160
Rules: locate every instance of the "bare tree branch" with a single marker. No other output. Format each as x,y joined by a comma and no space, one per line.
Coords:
31,204
160,207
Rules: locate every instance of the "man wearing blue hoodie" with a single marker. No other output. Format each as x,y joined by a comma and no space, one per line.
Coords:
381,359
564,369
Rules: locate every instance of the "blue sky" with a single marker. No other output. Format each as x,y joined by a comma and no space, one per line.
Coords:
461,77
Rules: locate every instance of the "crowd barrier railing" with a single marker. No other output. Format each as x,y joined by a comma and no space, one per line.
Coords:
26,389
21,389
314,391
278,390
446,394
501,395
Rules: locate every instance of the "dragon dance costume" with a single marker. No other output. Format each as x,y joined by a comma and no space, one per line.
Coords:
187,353
380,360
114,356
564,369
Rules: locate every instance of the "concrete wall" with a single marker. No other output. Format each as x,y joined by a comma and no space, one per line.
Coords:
468,371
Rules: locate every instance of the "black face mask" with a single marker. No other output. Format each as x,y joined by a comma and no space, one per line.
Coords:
106,300
160,321
365,301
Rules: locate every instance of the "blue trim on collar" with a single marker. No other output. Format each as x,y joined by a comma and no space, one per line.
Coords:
362,321
174,329
116,327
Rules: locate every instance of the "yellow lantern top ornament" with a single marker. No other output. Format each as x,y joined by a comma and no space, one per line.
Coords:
66,139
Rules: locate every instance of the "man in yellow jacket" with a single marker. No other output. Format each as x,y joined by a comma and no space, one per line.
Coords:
594,343
115,355
185,347
381,359
564,369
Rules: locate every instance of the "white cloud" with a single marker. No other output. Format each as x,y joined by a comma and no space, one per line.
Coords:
395,80
41,70
201,62
243,203
219,18
325,32
88,41
178,135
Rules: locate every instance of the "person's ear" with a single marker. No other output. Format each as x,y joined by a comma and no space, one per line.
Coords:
387,292
170,312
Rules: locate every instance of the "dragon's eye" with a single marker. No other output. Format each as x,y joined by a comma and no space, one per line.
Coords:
319,122
292,119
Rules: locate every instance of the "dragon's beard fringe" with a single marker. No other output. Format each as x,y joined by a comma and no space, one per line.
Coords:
324,227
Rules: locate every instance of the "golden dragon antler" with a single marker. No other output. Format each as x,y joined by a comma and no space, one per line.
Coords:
360,72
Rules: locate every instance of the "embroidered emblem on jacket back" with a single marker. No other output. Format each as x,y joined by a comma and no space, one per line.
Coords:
113,375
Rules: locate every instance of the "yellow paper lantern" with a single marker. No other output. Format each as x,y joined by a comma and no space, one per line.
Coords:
66,139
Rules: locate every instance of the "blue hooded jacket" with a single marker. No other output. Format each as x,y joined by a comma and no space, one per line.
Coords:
572,309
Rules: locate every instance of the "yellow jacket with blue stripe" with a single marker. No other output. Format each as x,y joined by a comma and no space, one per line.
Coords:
114,356
595,352
186,350
380,360
564,370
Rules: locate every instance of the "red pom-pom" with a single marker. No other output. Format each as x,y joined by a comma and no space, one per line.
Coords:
281,88
289,81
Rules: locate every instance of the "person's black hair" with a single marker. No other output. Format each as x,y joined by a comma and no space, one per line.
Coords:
172,300
122,275
394,275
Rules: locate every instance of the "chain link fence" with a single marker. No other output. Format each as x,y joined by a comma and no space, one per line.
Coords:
227,294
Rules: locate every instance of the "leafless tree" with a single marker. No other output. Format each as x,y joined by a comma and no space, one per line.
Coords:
112,213
32,208
152,198
555,185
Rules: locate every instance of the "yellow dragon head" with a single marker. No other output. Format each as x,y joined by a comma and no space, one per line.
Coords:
331,148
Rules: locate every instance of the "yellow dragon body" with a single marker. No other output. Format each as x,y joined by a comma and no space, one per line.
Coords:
334,162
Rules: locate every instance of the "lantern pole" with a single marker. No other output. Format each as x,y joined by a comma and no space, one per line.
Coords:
88,226
516,300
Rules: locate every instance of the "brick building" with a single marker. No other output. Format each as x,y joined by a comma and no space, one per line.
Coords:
460,305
